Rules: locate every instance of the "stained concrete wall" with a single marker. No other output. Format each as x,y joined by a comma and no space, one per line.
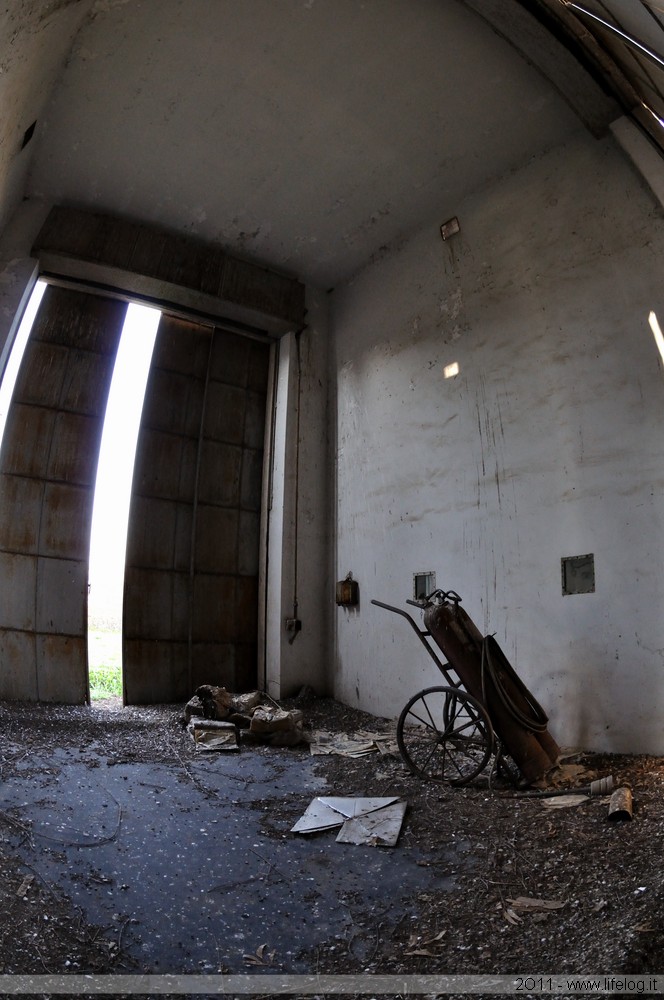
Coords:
298,566
35,39
547,444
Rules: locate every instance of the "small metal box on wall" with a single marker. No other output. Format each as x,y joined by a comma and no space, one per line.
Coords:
348,592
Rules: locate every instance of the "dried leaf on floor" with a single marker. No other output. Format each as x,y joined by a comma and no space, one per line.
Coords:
25,885
261,957
417,947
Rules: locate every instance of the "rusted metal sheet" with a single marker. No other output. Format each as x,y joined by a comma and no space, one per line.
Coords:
183,415
165,464
64,530
230,358
74,449
220,473
59,377
61,606
41,375
153,669
217,531
19,534
214,618
225,413
18,676
192,557
26,444
18,573
49,459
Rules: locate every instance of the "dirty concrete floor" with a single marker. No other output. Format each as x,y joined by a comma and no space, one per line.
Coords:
184,858
134,853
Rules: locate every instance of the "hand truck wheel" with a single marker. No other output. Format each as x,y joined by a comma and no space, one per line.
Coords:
444,734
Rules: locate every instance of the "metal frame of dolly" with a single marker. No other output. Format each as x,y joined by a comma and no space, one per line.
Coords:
443,733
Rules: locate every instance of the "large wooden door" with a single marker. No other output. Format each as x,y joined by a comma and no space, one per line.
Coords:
47,474
191,585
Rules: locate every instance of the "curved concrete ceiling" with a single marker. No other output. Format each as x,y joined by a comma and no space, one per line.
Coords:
306,134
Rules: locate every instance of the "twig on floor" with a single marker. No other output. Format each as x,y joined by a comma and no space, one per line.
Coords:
16,823
271,865
98,842
197,781
128,920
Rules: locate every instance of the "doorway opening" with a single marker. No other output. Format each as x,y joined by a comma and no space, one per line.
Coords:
110,514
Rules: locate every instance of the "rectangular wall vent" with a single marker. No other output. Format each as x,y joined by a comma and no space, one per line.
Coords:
578,574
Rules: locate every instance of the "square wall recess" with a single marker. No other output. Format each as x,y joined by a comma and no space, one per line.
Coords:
578,574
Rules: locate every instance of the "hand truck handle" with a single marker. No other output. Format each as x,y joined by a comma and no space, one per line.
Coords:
442,597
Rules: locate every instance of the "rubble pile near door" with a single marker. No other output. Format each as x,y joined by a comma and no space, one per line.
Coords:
254,716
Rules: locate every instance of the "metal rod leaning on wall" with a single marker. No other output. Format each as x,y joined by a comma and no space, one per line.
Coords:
194,517
298,399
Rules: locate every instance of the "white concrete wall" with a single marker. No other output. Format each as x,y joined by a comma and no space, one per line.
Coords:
549,443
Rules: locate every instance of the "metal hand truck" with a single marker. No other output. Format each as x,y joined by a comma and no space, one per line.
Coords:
450,733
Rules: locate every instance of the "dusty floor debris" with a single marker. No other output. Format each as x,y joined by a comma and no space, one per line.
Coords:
256,716
208,734
147,856
358,744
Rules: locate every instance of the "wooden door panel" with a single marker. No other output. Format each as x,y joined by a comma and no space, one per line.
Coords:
47,471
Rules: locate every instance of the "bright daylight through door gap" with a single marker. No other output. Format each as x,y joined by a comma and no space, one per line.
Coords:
16,354
110,515
115,469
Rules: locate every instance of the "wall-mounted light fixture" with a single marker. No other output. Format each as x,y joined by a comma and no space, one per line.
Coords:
348,592
450,228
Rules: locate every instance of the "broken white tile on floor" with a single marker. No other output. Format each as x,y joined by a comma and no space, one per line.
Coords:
318,816
326,812
380,828
369,820
355,806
